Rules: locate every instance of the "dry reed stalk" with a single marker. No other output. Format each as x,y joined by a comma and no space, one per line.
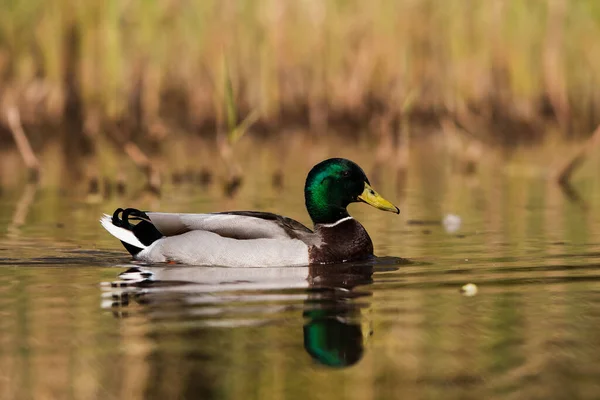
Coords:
467,149
29,157
142,161
499,71
22,209
234,170
383,126
563,176
554,77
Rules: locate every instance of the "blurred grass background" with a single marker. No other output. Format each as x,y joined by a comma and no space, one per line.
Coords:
509,68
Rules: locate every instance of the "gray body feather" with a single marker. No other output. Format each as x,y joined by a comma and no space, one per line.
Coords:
242,239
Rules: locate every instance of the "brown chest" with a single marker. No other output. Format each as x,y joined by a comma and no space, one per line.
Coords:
345,241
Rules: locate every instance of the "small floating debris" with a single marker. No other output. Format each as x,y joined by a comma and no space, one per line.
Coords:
451,223
469,290
423,222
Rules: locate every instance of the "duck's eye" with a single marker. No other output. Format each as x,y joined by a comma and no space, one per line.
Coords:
345,174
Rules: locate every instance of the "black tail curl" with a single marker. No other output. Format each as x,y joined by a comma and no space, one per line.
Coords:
143,229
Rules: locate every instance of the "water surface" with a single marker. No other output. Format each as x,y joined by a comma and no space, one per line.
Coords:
79,320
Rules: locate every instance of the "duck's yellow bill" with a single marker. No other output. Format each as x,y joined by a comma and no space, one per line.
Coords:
373,198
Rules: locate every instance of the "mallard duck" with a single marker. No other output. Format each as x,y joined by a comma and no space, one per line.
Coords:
260,239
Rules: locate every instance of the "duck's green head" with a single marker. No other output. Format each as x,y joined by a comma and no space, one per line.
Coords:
333,184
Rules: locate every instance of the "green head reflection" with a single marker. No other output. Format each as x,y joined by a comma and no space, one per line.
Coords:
331,341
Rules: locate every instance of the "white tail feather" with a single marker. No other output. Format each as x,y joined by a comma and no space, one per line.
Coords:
120,233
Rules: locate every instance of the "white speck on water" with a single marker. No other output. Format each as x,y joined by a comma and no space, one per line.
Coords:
451,223
469,290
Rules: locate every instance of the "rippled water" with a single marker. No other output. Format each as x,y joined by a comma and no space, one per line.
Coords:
79,320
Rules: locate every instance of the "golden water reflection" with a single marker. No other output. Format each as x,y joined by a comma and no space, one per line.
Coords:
387,330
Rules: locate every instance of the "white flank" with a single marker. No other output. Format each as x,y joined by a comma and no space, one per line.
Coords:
121,233
339,221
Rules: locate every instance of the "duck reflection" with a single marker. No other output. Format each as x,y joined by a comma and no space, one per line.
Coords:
330,298
333,334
